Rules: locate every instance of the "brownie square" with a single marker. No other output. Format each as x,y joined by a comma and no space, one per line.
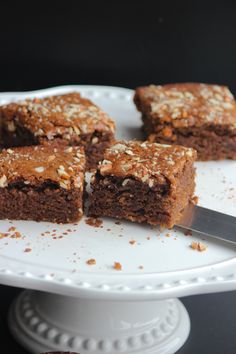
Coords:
190,114
42,183
65,119
143,182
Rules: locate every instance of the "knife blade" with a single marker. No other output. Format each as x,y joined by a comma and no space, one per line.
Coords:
209,222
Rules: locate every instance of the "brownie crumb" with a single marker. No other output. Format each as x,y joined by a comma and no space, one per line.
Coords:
117,266
94,222
117,222
132,242
26,250
198,246
16,234
188,233
195,200
12,228
140,267
91,261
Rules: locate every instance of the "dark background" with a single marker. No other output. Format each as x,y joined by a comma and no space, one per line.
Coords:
125,43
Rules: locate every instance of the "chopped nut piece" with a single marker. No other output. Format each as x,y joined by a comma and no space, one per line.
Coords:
69,149
51,158
126,181
91,261
3,182
195,199
93,222
95,140
39,169
64,184
10,151
132,242
77,131
62,173
198,246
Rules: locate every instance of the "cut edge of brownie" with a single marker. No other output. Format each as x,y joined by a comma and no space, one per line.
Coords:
211,142
130,199
43,202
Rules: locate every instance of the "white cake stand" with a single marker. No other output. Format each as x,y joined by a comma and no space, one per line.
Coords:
96,309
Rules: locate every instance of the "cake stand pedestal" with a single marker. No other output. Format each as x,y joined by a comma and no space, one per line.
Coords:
47,322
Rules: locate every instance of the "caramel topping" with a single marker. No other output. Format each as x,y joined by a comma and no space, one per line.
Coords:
190,104
34,164
148,162
65,116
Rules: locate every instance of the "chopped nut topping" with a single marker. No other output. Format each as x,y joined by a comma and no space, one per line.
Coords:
95,140
163,161
69,149
39,169
34,164
62,173
77,131
3,181
64,115
78,182
51,158
64,184
10,151
126,181
189,104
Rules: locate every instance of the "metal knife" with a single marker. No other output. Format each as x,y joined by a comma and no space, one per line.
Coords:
209,222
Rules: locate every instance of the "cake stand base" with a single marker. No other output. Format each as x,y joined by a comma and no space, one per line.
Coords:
48,322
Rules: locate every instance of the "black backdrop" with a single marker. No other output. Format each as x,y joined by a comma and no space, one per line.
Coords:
124,43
